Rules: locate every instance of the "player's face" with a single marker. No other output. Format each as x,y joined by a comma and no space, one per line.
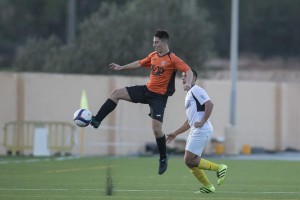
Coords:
183,78
158,44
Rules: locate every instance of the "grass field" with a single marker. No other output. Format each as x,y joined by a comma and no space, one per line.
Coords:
24,178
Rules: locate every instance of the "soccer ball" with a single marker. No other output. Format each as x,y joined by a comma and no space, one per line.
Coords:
82,117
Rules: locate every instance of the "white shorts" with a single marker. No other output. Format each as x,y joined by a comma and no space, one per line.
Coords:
197,141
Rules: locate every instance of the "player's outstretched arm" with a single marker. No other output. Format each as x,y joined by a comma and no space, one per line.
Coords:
183,128
133,65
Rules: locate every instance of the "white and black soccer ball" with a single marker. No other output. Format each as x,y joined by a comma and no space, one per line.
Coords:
82,117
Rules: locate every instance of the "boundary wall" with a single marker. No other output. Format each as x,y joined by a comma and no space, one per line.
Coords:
268,113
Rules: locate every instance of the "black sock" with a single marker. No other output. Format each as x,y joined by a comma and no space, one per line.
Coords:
161,145
105,109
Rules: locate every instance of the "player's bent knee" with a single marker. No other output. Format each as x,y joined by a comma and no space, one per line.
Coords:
158,132
115,94
190,162
157,128
119,94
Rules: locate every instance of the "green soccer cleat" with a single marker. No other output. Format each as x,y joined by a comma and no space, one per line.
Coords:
221,174
208,189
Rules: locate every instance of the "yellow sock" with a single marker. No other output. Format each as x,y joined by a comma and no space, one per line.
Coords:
200,175
207,165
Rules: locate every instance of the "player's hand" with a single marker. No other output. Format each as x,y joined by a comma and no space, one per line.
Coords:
186,87
170,137
115,66
198,124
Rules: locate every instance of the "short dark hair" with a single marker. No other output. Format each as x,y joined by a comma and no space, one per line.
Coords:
162,34
194,74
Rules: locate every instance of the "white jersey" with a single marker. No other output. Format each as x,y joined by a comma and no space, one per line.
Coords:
194,107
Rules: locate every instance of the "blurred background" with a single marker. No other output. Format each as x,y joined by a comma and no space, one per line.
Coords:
54,51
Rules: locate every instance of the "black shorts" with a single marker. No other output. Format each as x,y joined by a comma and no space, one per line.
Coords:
156,102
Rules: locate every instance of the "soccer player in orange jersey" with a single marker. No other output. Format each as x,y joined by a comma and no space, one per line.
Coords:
163,66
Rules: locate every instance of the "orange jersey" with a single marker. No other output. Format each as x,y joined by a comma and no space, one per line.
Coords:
163,72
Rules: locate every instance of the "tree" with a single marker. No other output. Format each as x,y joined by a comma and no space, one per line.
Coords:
123,34
220,15
266,28
20,19
33,56
270,27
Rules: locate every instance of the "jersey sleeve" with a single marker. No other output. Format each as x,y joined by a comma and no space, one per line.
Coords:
201,95
179,64
146,62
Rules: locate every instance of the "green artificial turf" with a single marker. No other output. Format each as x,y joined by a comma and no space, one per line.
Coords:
24,178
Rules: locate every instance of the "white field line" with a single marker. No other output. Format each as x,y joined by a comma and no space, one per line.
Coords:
39,160
120,190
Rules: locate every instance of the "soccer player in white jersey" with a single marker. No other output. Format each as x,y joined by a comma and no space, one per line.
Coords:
198,108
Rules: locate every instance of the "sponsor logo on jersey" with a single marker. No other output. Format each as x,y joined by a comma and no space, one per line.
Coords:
157,70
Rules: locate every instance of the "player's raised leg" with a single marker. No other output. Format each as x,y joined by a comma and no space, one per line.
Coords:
201,177
109,106
221,174
219,168
192,160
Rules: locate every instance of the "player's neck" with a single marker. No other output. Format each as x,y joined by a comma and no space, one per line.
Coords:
164,51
